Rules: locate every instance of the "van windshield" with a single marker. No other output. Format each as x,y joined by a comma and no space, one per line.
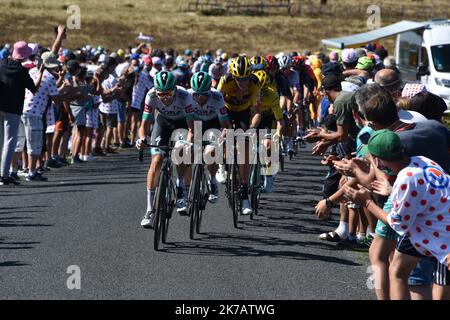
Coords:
441,57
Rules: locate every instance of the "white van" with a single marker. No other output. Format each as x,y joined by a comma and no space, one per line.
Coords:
423,55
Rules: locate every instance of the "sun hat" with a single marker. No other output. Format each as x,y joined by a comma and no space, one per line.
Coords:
50,60
349,55
385,144
21,51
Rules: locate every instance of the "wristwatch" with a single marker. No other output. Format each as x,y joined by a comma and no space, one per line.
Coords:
329,203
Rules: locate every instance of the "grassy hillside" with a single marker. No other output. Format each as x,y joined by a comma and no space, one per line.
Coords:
116,23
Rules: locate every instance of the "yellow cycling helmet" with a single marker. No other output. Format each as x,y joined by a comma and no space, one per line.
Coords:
240,67
263,78
258,63
121,53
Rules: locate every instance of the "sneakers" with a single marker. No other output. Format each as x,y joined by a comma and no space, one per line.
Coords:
76,159
182,207
246,207
214,196
88,158
14,176
8,181
182,203
110,151
352,245
23,172
98,152
221,174
36,177
53,163
125,146
148,220
268,184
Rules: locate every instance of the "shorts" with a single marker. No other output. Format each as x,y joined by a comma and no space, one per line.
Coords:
422,273
383,230
162,132
122,114
441,275
268,121
79,114
109,120
240,120
34,132
424,270
20,145
62,120
331,183
92,118
50,120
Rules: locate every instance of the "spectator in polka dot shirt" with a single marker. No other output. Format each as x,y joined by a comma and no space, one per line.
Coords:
420,213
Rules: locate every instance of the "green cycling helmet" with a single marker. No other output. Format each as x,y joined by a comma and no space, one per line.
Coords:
201,82
165,81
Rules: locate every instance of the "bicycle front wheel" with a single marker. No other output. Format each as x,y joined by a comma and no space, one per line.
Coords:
196,198
160,209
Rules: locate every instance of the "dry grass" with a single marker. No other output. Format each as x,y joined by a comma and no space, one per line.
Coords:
116,23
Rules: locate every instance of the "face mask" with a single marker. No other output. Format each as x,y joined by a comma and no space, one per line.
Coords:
136,69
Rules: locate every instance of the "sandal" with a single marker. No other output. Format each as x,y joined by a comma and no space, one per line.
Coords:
330,236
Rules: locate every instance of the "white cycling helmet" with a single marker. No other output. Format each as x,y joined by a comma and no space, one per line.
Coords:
284,61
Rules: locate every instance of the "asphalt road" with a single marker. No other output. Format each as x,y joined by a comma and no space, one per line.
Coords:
88,215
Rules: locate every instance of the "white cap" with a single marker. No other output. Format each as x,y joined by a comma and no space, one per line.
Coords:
34,48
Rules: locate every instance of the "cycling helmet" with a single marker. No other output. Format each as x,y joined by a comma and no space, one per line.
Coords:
207,59
263,78
165,81
272,62
298,61
258,63
293,54
240,67
201,82
285,62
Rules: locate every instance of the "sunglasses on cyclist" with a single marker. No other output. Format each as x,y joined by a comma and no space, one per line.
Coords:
201,94
165,94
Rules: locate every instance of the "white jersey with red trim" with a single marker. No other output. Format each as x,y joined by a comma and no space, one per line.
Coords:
181,106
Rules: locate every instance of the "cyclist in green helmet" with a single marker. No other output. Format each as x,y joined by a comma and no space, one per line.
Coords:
210,110
175,111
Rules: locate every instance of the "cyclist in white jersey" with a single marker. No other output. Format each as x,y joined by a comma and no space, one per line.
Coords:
167,107
209,107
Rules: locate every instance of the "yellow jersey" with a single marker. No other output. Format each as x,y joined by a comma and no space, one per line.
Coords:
236,99
270,102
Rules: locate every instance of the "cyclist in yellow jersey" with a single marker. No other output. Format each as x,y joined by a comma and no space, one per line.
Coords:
241,92
271,116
